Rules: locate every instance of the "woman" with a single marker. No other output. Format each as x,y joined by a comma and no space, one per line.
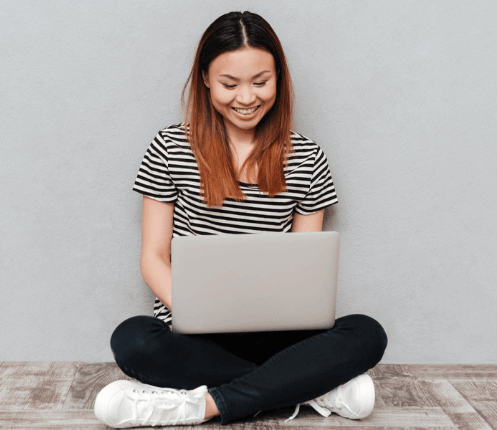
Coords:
236,168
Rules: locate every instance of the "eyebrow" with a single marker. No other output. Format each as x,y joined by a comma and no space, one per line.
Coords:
254,77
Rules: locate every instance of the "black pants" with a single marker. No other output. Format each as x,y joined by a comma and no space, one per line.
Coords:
249,372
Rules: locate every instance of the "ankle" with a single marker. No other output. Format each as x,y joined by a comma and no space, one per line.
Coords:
211,409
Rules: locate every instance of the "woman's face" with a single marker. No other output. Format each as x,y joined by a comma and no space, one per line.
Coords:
243,87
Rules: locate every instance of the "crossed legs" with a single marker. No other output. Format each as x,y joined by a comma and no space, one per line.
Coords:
249,372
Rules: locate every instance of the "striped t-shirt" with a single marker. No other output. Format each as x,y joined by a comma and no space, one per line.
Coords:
169,173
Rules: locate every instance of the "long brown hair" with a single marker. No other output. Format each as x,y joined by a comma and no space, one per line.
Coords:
204,126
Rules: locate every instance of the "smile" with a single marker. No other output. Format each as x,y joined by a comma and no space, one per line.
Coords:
245,111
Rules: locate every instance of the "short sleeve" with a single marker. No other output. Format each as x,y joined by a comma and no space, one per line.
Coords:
153,178
321,192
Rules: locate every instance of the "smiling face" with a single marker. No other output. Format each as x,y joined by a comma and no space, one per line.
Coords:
242,85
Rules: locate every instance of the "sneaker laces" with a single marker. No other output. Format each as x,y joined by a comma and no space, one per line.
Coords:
165,399
325,404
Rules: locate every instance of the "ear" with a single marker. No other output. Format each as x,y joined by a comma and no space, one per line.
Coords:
205,77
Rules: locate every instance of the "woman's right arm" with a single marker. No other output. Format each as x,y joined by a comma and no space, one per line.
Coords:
155,261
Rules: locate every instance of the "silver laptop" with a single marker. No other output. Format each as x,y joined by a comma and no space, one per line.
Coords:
254,282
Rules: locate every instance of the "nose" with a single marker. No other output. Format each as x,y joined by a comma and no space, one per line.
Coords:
246,95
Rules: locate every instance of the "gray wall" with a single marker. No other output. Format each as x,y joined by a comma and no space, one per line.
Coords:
401,95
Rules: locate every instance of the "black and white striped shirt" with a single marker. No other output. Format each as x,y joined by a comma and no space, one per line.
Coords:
169,173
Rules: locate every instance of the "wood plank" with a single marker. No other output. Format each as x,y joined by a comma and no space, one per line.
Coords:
454,371
249,423
35,385
75,419
90,378
370,427
481,395
391,372
50,419
478,389
434,371
400,418
378,398
457,407
410,392
381,417
488,410
431,393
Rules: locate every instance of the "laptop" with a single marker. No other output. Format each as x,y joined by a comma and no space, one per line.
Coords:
254,282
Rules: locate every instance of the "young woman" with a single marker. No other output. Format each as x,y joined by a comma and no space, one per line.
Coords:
234,166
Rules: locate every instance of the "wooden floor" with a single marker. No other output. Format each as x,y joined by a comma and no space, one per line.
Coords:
60,395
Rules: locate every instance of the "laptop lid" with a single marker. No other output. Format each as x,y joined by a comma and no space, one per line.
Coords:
254,282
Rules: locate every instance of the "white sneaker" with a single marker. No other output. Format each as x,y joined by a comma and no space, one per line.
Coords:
354,400
123,404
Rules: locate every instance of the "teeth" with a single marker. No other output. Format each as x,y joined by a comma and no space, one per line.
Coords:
246,111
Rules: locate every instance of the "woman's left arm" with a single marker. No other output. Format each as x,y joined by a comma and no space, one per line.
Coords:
307,223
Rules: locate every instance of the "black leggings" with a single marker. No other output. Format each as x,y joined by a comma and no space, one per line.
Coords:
249,372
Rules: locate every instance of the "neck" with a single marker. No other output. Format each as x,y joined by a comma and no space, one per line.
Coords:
240,138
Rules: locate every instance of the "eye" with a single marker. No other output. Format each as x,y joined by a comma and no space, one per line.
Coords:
260,84
230,87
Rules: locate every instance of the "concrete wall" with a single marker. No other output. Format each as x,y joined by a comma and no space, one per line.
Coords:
401,96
